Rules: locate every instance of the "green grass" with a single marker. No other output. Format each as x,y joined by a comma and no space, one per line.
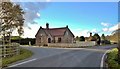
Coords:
24,53
112,59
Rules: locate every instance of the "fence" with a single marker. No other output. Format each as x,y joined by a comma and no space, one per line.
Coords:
77,44
9,50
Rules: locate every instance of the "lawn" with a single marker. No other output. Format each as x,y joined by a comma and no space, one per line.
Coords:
112,59
24,53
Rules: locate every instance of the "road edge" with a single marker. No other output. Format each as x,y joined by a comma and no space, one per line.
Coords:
102,60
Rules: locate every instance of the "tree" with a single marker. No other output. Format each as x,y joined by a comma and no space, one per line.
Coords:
119,33
82,38
77,38
11,17
97,38
104,40
119,51
15,37
103,37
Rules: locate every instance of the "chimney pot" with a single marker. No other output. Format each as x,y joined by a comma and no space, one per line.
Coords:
47,26
66,26
90,34
40,26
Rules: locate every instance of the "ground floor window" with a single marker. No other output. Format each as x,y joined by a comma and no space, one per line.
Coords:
59,40
49,40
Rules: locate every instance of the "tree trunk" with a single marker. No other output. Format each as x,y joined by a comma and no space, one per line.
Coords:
119,52
9,38
19,39
3,38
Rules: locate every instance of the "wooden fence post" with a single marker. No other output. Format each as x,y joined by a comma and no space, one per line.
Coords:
10,50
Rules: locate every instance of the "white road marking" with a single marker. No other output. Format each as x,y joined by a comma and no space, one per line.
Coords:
102,60
23,62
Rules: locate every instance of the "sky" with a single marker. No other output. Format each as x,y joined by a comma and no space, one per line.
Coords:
81,17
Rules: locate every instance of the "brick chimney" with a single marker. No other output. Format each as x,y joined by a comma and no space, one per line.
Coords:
66,26
47,26
90,34
40,27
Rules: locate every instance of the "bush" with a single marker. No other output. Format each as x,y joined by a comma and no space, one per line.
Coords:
24,41
82,38
112,59
45,45
105,42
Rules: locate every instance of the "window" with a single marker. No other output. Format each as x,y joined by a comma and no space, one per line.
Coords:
67,40
59,40
49,40
40,40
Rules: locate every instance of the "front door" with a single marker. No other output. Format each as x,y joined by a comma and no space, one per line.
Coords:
49,40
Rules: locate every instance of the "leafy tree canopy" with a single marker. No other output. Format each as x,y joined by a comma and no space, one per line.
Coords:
15,37
82,38
103,37
97,37
11,18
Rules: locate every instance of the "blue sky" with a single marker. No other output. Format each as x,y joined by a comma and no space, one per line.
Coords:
81,17
79,14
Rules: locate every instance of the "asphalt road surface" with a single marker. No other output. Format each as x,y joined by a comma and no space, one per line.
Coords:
64,57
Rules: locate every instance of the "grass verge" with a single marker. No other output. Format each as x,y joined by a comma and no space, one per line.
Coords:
112,59
24,53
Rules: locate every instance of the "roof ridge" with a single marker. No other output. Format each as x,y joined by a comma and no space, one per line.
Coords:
55,31
56,28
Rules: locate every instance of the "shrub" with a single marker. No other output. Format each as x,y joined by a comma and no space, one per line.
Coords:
45,45
24,41
82,38
105,42
112,59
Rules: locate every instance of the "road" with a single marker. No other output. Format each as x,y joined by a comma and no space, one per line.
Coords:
64,57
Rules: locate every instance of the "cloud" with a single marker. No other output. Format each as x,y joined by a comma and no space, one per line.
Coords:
105,29
111,29
30,33
38,14
94,31
115,27
85,32
48,0
32,11
105,24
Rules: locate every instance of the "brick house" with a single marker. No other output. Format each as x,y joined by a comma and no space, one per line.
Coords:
54,35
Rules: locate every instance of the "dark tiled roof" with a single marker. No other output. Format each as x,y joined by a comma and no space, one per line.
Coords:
55,31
